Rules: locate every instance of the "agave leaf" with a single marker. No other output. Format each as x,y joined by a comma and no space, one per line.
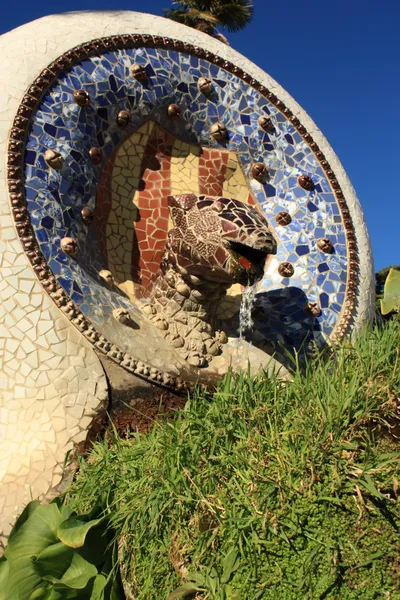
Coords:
391,293
72,532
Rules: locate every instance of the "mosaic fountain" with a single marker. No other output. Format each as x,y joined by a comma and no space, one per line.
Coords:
152,173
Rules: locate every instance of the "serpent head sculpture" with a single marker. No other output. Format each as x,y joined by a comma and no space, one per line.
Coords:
215,243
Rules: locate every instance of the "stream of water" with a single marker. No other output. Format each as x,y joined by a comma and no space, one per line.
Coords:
246,306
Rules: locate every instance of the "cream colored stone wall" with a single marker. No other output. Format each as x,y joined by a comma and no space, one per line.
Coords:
51,380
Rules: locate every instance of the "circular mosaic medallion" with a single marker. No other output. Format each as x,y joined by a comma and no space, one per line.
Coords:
113,128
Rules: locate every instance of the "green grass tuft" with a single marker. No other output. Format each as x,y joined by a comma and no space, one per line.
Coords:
266,491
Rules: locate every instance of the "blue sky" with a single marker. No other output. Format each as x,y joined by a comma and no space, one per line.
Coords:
340,61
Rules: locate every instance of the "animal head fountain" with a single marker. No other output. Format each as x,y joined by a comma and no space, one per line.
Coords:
215,243
152,173
133,175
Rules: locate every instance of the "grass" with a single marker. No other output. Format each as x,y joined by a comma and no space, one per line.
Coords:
267,491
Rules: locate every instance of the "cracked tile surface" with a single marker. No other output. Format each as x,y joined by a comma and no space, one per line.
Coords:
51,381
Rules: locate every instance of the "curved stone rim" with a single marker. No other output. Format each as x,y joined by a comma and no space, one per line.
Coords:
15,180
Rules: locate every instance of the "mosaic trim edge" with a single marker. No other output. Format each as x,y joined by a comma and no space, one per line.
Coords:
15,178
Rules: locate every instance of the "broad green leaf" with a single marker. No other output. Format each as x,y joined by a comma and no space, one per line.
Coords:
53,562
41,593
72,532
184,591
4,568
22,580
391,293
35,530
23,517
65,511
95,549
77,575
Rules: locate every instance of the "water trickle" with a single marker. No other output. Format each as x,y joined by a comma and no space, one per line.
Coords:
246,306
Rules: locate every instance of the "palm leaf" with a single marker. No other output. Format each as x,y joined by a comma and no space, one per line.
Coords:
190,17
202,5
233,14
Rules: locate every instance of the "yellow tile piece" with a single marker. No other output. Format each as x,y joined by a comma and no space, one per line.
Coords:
123,214
236,185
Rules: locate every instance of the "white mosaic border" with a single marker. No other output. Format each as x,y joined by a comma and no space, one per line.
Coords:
51,380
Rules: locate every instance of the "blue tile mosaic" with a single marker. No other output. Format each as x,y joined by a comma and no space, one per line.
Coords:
56,198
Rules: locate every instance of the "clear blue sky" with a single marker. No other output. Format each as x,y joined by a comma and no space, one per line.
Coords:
341,61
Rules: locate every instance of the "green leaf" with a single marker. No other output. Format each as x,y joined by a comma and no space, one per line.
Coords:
4,568
370,487
53,562
184,591
72,532
99,584
229,565
391,296
77,575
370,559
34,531
42,593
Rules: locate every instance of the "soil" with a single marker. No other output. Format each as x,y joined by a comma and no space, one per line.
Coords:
134,406
143,412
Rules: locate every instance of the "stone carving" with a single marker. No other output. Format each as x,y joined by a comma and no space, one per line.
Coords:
283,218
138,72
87,215
123,118
107,276
174,111
325,245
21,123
265,123
22,99
306,183
313,309
259,172
286,269
218,131
95,155
53,159
215,242
122,316
205,86
81,97
69,246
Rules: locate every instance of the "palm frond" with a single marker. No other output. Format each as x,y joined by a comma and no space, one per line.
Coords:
233,14
190,17
202,5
